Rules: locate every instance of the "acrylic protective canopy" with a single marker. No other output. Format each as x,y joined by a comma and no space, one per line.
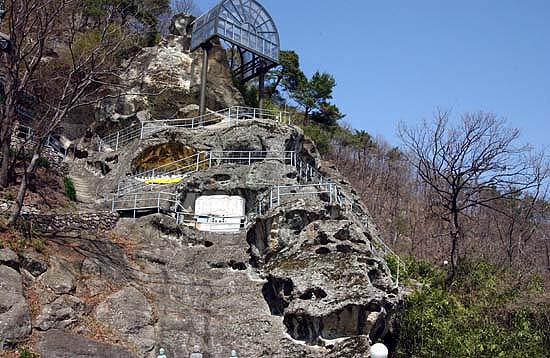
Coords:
247,26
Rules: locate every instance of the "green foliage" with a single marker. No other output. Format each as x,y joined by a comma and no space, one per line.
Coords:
319,136
249,93
313,95
471,320
43,162
397,269
25,352
70,191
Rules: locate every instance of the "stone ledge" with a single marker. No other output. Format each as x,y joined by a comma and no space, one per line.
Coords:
48,223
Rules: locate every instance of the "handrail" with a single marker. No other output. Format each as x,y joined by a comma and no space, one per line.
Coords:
198,161
51,142
232,115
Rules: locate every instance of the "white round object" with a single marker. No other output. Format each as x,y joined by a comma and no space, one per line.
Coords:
445,262
379,351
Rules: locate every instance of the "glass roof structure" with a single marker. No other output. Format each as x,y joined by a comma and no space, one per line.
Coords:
247,26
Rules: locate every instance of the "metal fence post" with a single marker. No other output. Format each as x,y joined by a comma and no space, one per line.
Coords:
249,158
117,137
135,205
271,198
237,117
210,159
198,160
278,195
158,203
141,132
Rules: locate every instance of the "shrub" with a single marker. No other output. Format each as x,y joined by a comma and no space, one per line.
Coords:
25,352
478,317
70,191
319,136
43,162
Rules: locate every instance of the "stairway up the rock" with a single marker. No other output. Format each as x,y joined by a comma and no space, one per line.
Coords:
84,181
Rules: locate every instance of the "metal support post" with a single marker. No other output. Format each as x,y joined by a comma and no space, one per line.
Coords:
261,90
249,158
198,160
271,198
117,137
237,117
204,77
158,203
141,132
135,204
278,195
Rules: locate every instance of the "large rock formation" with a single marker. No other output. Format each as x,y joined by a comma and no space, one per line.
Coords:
15,320
305,279
162,80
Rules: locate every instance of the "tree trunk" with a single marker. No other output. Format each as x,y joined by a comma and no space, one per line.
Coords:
455,237
29,170
6,132
4,168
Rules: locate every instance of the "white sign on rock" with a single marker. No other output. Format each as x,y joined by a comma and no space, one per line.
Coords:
220,213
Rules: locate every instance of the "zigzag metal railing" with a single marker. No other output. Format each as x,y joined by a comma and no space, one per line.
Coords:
319,185
232,116
27,133
199,161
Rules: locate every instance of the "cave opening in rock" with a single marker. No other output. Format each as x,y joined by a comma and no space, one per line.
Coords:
162,155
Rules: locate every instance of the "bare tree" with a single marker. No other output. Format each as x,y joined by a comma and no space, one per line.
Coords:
469,164
86,59
185,6
31,26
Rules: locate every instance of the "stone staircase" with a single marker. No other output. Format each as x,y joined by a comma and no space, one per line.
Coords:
84,181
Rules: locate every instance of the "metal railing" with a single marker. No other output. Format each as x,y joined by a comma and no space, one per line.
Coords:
307,173
201,160
274,196
231,116
27,133
160,201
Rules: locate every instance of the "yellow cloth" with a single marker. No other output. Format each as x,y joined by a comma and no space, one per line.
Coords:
163,181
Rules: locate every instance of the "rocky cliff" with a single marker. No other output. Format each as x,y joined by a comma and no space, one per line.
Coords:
305,276
164,81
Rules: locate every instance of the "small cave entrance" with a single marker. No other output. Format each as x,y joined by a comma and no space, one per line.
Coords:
350,321
164,154
277,293
220,178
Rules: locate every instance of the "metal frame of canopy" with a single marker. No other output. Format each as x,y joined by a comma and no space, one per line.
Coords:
251,31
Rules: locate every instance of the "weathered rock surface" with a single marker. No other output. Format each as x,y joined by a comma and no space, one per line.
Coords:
328,283
306,278
33,262
9,258
15,320
64,312
128,312
59,278
61,344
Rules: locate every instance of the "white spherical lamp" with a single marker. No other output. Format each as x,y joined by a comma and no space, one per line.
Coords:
379,351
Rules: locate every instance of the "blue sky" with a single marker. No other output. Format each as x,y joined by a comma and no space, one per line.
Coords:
400,60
